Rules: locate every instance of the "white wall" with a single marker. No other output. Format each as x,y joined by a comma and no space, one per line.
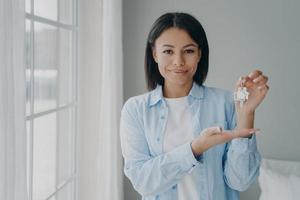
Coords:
243,35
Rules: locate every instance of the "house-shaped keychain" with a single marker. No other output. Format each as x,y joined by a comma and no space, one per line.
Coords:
241,95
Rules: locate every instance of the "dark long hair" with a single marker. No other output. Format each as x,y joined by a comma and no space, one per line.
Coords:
195,30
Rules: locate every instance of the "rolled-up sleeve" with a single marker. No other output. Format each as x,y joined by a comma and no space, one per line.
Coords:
242,163
150,175
241,160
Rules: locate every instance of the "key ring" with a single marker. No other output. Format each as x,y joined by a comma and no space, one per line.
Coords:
241,94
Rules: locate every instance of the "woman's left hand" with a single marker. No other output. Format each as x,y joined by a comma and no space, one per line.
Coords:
256,84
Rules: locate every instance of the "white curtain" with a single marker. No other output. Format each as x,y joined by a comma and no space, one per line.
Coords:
13,183
110,176
101,99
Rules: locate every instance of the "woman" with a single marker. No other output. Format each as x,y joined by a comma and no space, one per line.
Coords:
184,140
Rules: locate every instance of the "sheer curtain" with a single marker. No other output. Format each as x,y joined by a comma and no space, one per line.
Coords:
101,99
111,99
12,101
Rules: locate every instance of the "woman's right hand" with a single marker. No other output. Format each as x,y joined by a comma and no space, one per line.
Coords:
215,135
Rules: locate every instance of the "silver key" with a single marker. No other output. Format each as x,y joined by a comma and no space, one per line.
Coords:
241,95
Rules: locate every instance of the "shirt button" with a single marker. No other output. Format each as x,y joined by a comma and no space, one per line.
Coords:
162,117
158,139
174,187
191,170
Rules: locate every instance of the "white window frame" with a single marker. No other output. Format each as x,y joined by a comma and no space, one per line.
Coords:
75,87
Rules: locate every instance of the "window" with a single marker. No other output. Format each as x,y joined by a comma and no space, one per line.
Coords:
51,98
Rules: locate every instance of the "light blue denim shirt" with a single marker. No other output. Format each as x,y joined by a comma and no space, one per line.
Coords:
222,171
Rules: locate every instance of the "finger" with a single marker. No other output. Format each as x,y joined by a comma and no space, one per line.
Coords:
239,82
255,74
227,136
249,82
262,79
213,130
242,82
263,88
236,133
223,138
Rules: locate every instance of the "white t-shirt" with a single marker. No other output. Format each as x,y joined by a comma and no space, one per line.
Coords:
179,131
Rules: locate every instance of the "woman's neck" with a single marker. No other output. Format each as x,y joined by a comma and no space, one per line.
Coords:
176,91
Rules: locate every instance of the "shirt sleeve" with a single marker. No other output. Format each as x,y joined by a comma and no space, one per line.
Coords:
150,175
241,160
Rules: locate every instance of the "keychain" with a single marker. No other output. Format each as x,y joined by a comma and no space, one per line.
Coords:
241,95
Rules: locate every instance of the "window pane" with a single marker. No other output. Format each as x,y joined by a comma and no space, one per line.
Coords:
51,150
28,51
46,8
45,71
44,156
65,13
66,193
65,67
65,145
44,89
45,44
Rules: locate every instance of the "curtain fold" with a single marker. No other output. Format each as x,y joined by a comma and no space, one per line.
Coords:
110,170
13,184
101,99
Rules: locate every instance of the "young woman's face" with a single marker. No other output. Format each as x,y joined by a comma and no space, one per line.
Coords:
177,56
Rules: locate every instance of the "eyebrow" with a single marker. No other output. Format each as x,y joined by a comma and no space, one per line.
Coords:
188,45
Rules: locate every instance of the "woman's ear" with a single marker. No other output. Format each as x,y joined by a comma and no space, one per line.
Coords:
154,54
200,54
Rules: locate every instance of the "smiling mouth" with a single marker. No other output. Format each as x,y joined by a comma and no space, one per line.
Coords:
181,71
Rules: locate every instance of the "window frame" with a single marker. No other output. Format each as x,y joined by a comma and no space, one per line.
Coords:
73,106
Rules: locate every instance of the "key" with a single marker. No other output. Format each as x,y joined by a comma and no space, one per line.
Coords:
241,95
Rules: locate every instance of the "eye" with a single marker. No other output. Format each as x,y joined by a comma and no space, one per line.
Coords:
189,51
168,51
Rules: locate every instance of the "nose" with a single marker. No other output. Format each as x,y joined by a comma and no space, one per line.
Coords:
178,60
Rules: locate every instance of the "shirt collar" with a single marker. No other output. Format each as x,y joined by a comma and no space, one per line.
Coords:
157,94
